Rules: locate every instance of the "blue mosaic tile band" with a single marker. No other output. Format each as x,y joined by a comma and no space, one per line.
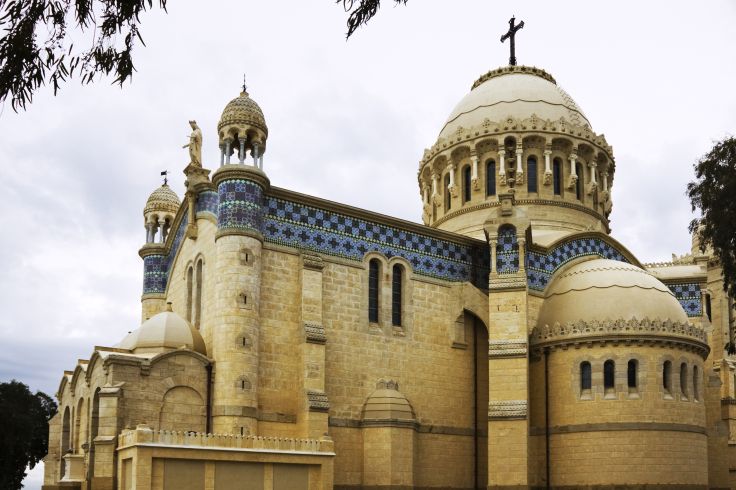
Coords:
154,274
207,203
540,267
507,251
688,295
297,225
240,205
156,268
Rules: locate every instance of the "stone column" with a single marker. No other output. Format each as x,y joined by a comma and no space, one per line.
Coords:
241,153
519,169
254,152
236,331
547,166
435,177
222,154
494,244
104,443
162,228
502,166
228,142
573,171
474,174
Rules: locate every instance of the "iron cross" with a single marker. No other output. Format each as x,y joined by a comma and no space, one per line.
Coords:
511,34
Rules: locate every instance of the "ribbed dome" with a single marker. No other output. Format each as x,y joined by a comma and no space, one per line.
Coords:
513,91
162,199
601,289
164,331
243,110
387,403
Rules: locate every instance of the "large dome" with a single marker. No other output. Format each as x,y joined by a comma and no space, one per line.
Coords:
513,91
601,290
166,331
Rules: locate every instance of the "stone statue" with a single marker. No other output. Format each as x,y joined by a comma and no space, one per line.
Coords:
195,144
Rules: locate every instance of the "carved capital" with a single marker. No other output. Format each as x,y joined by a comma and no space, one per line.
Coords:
572,181
547,179
507,410
317,401
453,190
476,183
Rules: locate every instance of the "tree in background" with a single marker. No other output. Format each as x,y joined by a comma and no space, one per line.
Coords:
24,431
36,48
713,194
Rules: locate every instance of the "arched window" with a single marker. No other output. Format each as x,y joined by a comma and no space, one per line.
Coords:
696,383
609,376
79,425
708,307
667,377
396,285
632,374
557,176
531,174
491,178
579,183
374,272
466,184
683,380
190,286
448,196
198,295
585,377
66,430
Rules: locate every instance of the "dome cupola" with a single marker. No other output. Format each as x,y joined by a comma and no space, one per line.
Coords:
159,212
162,332
242,128
517,134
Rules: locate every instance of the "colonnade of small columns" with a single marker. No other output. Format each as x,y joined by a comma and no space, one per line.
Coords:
445,164
256,149
157,228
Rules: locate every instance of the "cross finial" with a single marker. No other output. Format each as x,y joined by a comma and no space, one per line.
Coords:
165,173
510,35
245,87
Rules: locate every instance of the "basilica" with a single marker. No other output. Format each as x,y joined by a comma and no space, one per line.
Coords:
508,342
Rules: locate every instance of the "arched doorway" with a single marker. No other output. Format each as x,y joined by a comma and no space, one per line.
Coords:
65,440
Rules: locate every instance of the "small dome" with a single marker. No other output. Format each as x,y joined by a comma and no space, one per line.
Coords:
601,289
162,199
515,91
166,331
387,403
242,111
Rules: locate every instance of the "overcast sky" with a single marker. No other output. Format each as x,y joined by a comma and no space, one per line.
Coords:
348,121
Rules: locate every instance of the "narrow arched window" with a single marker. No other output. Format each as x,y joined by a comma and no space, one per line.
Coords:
374,271
632,374
198,295
609,375
708,307
585,377
466,184
531,174
396,285
448,196
190,285
667,377
491,178
557,176
696,383
683,380
579,183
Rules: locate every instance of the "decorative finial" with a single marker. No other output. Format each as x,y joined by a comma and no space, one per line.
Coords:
165,173
245,87
511,34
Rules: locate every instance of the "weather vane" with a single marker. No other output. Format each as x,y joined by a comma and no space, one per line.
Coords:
510,35
245,87
165,173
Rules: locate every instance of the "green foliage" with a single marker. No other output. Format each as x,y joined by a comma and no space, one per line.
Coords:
361,13
24,431
36,47
714,195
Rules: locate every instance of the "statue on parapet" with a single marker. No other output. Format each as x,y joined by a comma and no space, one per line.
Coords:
195,145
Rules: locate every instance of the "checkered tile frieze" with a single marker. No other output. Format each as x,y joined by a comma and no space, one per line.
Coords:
688,294
297,225
240,205
540,267
207,203
507,251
